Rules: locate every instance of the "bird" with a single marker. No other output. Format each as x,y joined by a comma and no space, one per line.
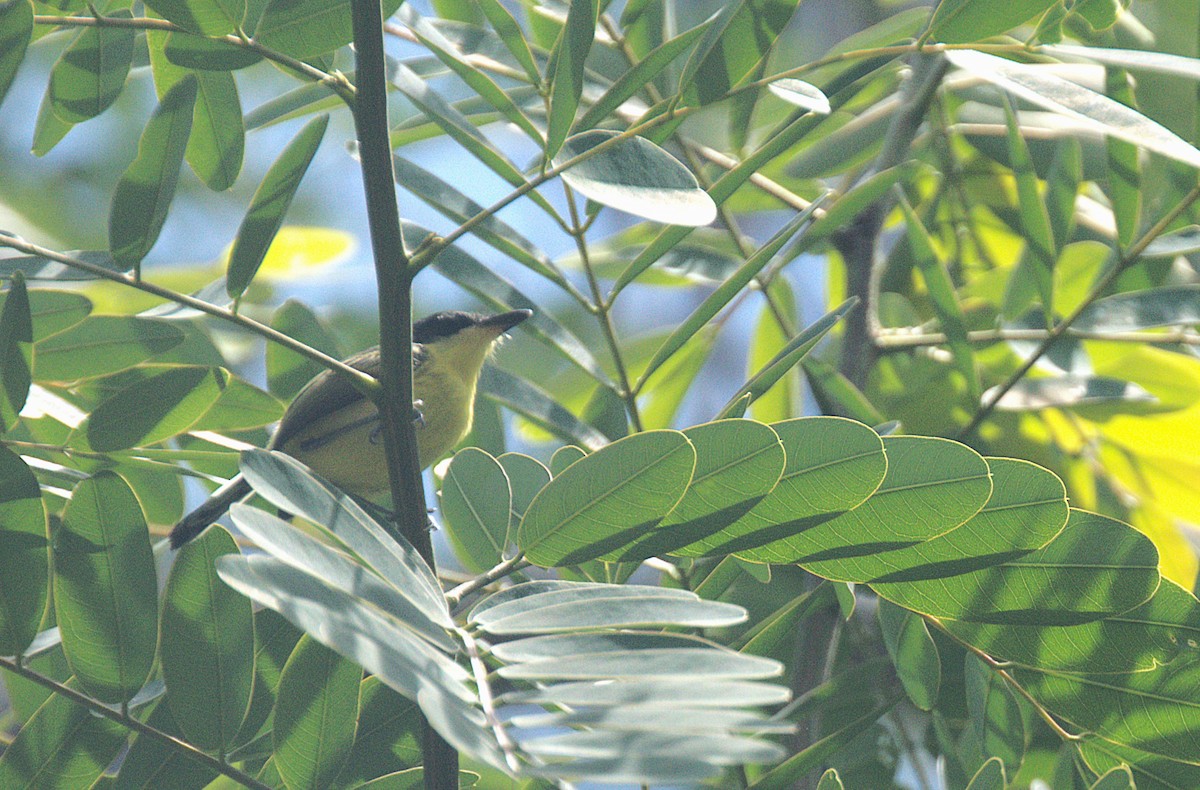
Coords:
335,430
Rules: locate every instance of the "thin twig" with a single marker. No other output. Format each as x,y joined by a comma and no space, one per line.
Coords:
454,596
95,706
487,701
361,381
902,339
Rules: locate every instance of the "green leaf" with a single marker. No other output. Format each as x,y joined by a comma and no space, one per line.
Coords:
999,729
1124,165
90,74
149,759
476,502
605,500
307,28
738,462
565,456
388,737
526,477
1026,510
63,746
831,781
852,203
206,17
509,31
16,333
142,196
914,653
288,484
700,663
207,54
52,312
960,21
1096,567
155,408
802,95
240,406
774,632
36,267
643,73
316,715
1093,110
269,205
289,545
207,645
48,129
16,30
833,465
105,589
1119,778
218,138
288,371
567,64
796,350
1069,390
1138,60
563,645
990,776
771,332
705,721
554,607
1152,771
1144,309
741,35
274,640
942,295
537,406
636,176
664,692
24,555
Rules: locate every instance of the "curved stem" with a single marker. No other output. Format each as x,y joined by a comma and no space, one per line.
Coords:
361,381
124,719
900,339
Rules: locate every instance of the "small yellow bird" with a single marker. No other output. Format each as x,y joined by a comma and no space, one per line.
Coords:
334,430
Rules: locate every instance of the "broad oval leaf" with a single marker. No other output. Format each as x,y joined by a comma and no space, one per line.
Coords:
16,30
914,653
960,21
307,28
90,74
738,462
52,312
101,345
270,202
140,201
734,45
537,648
1096,567
1153,307
476,502
106,589
801,94
526,477
567,61
218,138
636,176
154,409
206,17
833,464
206,54
316,715
607,499
24,555
207,646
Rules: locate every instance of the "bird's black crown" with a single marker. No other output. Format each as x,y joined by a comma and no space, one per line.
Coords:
444,324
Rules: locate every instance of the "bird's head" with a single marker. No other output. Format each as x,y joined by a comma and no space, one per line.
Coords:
463,340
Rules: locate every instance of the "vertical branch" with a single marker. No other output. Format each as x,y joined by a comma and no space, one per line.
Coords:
859,243
394,276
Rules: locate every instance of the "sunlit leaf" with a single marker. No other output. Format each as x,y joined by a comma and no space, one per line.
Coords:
476,501
24,557
307,28
90,74
801,94
16,29
207,17
960,21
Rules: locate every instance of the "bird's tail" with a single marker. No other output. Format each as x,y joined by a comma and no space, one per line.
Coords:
213,508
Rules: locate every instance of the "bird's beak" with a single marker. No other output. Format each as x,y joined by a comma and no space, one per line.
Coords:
505,321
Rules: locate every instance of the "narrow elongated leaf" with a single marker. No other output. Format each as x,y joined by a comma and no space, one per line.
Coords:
740,36
700,663
105,589
510,32
1151,771
51,312
852,203
1145,309
801,94
738,462
207,17
1124,186
1184,241
567,62
1026,510
316,714
539,407
796,350
642,74
36,267
240,406
16,333
833,465
150,761
960,21
636,176
648,719
659,691
287,371
639,749
307,28
525,598
476,502
607,499
1092,109
1136,59
537,648
207,645
292,547
24,555
1069,390
218,138
16,29
1096,567
640,607
154,409
274,640
995,714
101,345
62,746
914,653
90,74
288,484
142,196
269,205
207,54
778,314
